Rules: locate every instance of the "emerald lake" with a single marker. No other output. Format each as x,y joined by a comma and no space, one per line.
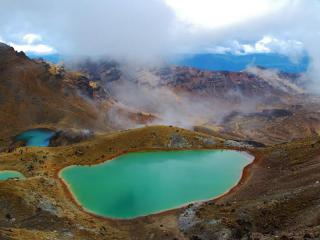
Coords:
5,175
143,183
36,137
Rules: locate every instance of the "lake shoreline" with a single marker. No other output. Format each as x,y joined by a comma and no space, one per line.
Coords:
16,175
243,177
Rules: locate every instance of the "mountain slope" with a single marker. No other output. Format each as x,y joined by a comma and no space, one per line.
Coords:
34,93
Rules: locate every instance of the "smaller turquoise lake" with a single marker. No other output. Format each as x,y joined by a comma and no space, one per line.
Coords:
5,175
36,137
144,183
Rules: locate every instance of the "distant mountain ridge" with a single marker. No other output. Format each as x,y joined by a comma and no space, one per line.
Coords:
236,63
221,62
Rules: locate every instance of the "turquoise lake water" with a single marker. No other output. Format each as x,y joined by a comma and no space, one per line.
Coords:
4,175
143,183
36,137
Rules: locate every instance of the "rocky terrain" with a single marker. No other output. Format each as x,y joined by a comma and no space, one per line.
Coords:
277,198
258,104
255,82
36,93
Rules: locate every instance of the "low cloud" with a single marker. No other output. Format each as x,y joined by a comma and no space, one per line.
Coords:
153,30
143,91
275,80
39,49
148,31
31,38
268,44
125,29
31,43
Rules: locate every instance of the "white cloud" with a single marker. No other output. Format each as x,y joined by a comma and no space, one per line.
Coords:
40,49
214,14
152,29
135,30
268,44
292,48
30,43
31,38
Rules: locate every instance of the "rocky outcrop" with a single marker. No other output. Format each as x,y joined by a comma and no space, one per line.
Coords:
104,71
177,141
220,83
70,136
261,83
188,218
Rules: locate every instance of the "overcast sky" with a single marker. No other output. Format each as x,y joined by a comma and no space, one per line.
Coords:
152,29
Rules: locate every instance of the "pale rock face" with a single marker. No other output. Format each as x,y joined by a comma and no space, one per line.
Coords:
177,141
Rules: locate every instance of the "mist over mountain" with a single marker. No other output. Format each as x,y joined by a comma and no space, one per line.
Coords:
159,119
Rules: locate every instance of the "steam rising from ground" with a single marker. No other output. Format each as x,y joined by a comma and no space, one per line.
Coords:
275,80
142,91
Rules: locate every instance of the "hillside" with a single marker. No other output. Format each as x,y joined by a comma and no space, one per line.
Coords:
278,196
257,104
34,94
